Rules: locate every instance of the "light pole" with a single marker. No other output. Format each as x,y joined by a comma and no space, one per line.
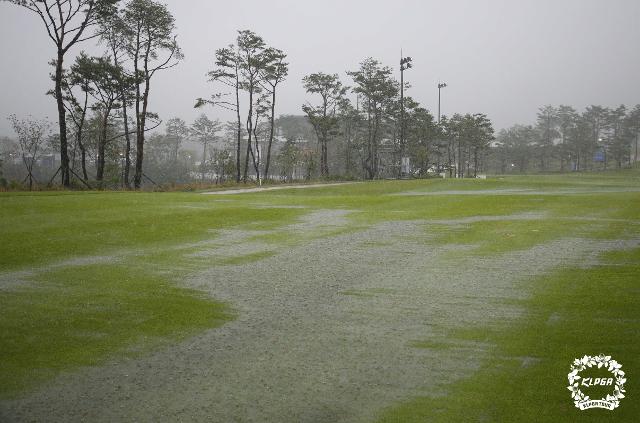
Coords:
440,87
405,63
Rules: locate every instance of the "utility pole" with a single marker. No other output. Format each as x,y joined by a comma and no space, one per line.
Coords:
440,86
405,63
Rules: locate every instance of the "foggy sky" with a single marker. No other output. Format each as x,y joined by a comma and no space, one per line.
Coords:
504,58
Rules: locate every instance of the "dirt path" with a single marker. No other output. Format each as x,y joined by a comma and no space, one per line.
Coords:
324,333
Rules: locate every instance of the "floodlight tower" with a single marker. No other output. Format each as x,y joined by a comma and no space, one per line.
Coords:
440,86
405,63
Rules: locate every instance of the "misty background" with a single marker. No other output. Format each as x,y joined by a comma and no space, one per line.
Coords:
498,57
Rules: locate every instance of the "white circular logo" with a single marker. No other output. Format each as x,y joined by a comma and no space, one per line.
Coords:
616,383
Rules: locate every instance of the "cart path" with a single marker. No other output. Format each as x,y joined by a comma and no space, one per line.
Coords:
276,188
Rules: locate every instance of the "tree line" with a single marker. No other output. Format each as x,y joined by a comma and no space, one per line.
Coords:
563,139
104,112
354,127
111,91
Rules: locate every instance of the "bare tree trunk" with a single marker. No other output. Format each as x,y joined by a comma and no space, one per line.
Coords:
127,149
83,151
273,123
141,115
175,160
83,158
347,166
250,134
137,178
475,162
102,141
562,154
376,127
449,159
29,166
256,160
62,120
323,142
369,163
459,166
140,135
125,120
248,152
324,167
239,141
204,160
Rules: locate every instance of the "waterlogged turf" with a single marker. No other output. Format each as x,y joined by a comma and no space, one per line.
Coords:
469,305
571,313
77,316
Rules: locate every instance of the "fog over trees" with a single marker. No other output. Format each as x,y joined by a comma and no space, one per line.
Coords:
359,124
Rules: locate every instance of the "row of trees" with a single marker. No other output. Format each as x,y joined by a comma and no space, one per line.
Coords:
370,129
168,157
104,113
360,128
251,67
564,139
354,140
138,38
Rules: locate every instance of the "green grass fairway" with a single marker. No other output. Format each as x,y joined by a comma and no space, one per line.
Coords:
88,279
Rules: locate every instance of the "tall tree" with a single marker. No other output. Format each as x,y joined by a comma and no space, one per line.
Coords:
260,111
252,61
581,143
421,132
275,71
350,122
546,123
77,107
567,119
459,131
105,79
67,22
595,117
31,136
227,72
177,132
113,31
448,130
288,158
324,117
632,127
378,89
617,142
481,137
254,68
205,131
149,31
516,145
